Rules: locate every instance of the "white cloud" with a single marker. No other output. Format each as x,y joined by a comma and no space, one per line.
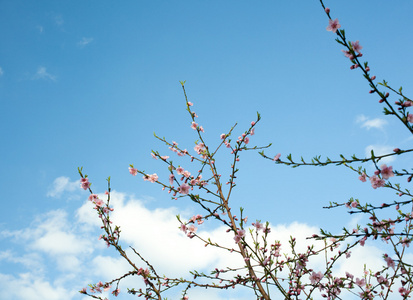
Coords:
78,258
368,123
84,42
43,74
381,150
29,286
62,184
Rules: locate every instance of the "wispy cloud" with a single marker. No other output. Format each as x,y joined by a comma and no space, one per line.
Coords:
84,42
368,123
43,74
60,185
40,28
58,20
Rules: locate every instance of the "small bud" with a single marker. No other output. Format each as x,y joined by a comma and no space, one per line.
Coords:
381,100
367,69
327,10
387,95
371,92
373,77
396,150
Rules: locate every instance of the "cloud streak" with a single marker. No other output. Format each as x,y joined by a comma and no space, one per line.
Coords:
43,74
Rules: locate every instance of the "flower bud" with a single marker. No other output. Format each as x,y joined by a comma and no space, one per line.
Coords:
327,10
373,77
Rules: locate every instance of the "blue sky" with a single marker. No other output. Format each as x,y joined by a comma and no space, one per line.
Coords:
87,84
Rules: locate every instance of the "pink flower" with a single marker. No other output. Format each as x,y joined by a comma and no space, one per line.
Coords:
183,189
133,171
190,103
410,118
386,172
180,170
362,177
316,277
327,10
194,125
356,46
151,178
171,179
223,136
258,226
199,148
184,228
165,157
376,182
84,183
246,140
252,131
389,261
240,234
277,157
333,25
153,156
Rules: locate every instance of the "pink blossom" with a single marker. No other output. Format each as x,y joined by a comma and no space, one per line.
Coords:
407,103
360,282
246,140
183,189
406,242
199,148
153,156
180,170
389,261
252,132
240,234
194,125
316,277
277,157
190,103
386,172
327,10
165,157
333,25
84,183
192,228
252,123
362,177
348,54
223,136
376,182
258,226
133,171
151,178
410,118
184,228
171,179
356,46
